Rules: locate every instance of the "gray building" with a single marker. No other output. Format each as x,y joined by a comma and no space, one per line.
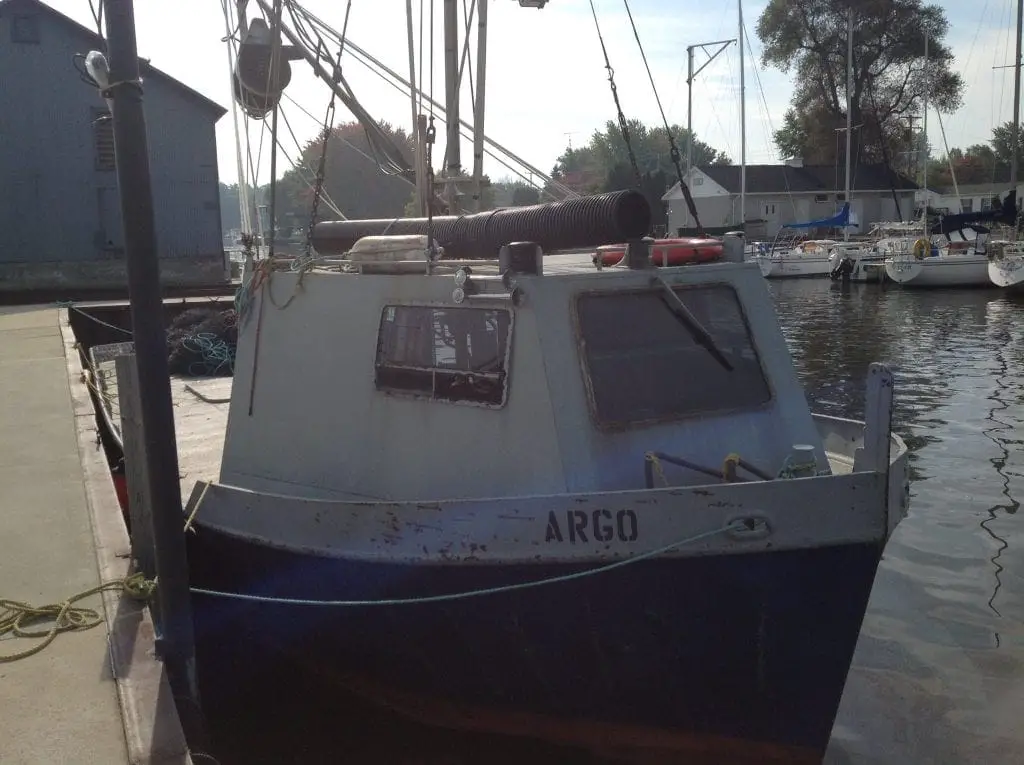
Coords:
60,219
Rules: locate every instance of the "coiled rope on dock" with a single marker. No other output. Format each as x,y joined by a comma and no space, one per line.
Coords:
21,620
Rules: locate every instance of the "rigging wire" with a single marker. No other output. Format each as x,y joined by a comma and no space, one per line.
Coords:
623,127
381,144
673,148
243,185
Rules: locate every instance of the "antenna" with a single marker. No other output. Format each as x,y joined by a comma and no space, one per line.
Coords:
569,135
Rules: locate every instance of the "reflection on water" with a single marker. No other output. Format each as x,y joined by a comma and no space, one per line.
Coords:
939,667
939,672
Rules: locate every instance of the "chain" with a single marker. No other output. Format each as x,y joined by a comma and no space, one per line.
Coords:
615,96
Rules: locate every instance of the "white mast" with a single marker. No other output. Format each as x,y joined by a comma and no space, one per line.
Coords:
924,146
1016,101
849,109
743,126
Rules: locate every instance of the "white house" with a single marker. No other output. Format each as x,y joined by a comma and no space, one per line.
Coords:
973,197
788,193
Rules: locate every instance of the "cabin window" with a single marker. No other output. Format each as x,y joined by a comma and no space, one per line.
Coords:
103,140
455,354
643,364
25,29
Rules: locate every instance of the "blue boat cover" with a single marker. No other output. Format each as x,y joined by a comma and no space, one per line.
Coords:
840,220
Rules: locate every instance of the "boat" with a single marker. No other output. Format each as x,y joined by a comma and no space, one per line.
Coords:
493,514
1006,265
667,252
505,490
796,259
963,260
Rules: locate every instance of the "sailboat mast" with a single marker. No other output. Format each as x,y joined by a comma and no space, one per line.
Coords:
743,125
924,148
1014,159
849,108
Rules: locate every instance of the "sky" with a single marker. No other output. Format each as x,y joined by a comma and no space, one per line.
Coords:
546,81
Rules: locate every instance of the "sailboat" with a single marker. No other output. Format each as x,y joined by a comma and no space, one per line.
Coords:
1006,268
815,257
963,262
496,488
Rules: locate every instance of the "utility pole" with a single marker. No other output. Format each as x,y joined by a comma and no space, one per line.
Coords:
690,76
131,152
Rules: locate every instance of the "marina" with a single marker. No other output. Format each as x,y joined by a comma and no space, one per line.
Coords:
541,470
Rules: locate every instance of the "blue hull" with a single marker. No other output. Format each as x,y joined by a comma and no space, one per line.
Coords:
749,648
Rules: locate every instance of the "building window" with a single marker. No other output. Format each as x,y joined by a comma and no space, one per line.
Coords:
103,139
966,204
986,204
25,29
697,181
450,354
840,197
821,197
643,364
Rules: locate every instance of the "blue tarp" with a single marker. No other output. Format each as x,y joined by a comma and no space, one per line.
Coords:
841,220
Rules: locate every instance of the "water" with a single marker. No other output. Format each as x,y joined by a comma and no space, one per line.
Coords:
939,672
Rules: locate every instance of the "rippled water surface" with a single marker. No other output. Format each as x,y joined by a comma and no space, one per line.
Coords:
938,674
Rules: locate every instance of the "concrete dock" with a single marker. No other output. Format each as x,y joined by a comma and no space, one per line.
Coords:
95,696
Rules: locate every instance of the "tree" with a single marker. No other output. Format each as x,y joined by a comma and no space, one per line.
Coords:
809,39
1002,145
356,178
587,169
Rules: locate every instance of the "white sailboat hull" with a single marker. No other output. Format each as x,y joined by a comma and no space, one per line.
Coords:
793,266
940,271
1007,272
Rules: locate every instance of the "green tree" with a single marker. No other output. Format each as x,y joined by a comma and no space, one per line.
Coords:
1002,145
357,178
808,38
588,168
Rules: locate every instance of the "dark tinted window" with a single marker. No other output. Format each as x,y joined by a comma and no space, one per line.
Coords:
644,364
450,354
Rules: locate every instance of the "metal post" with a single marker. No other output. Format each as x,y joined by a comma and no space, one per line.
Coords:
451,88
1015,149
275,62
478,115
924,144
849,109
131,153
690,76
741,39
689,120
413,123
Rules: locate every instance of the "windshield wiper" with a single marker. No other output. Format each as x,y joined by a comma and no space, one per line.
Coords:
700,335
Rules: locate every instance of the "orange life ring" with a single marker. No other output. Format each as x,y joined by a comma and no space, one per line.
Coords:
677,252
